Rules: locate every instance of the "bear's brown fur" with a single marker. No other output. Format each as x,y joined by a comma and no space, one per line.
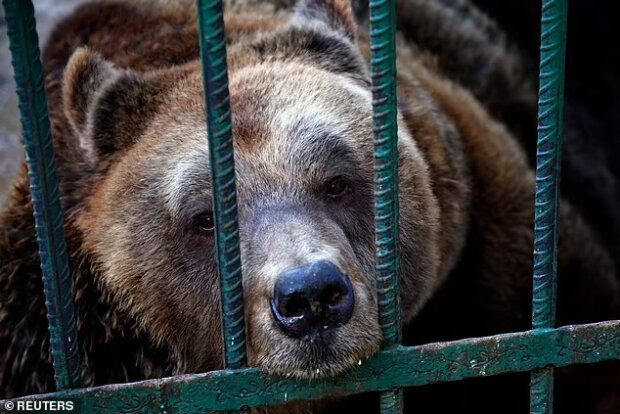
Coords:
125,95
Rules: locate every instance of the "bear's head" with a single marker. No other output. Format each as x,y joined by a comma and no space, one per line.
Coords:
302,123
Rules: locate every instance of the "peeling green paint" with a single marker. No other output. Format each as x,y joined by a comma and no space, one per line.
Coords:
398,367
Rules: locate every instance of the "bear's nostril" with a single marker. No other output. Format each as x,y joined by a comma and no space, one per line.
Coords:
295,306
312,298
332,296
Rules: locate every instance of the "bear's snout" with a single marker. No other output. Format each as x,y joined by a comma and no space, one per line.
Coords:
311,299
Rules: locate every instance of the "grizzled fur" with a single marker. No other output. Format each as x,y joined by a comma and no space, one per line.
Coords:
126,100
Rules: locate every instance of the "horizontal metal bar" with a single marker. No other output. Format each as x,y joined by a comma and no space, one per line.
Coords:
398,367
45,190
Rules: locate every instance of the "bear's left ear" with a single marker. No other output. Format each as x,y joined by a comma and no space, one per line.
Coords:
107,107
337,15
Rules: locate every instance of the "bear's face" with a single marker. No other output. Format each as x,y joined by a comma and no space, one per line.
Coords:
304,167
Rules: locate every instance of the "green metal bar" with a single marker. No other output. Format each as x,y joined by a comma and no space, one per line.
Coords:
550,113
221,154
382,20
44,187
396,367
387,262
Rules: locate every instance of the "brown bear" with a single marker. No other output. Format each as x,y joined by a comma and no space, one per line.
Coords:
125,94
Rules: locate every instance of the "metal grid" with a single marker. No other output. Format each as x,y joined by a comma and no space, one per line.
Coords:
235,388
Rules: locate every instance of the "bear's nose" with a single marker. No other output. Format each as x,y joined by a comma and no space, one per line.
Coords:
312,298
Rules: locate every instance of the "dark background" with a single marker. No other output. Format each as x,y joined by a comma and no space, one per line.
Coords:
591,151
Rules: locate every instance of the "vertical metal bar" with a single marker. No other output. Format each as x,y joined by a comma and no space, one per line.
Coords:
221,154
44,187
550,113
387,265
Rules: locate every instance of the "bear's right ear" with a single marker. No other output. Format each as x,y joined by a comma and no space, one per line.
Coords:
106,106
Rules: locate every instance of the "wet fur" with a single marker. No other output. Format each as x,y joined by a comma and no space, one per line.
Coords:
467,196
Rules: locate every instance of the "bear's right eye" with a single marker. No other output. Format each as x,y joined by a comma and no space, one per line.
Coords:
205,222
337,187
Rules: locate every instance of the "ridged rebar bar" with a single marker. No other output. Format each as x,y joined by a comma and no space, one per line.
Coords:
387,264
221,155
44,188
550,113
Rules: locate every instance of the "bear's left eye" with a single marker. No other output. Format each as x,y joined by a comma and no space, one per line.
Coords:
337,187
205,222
